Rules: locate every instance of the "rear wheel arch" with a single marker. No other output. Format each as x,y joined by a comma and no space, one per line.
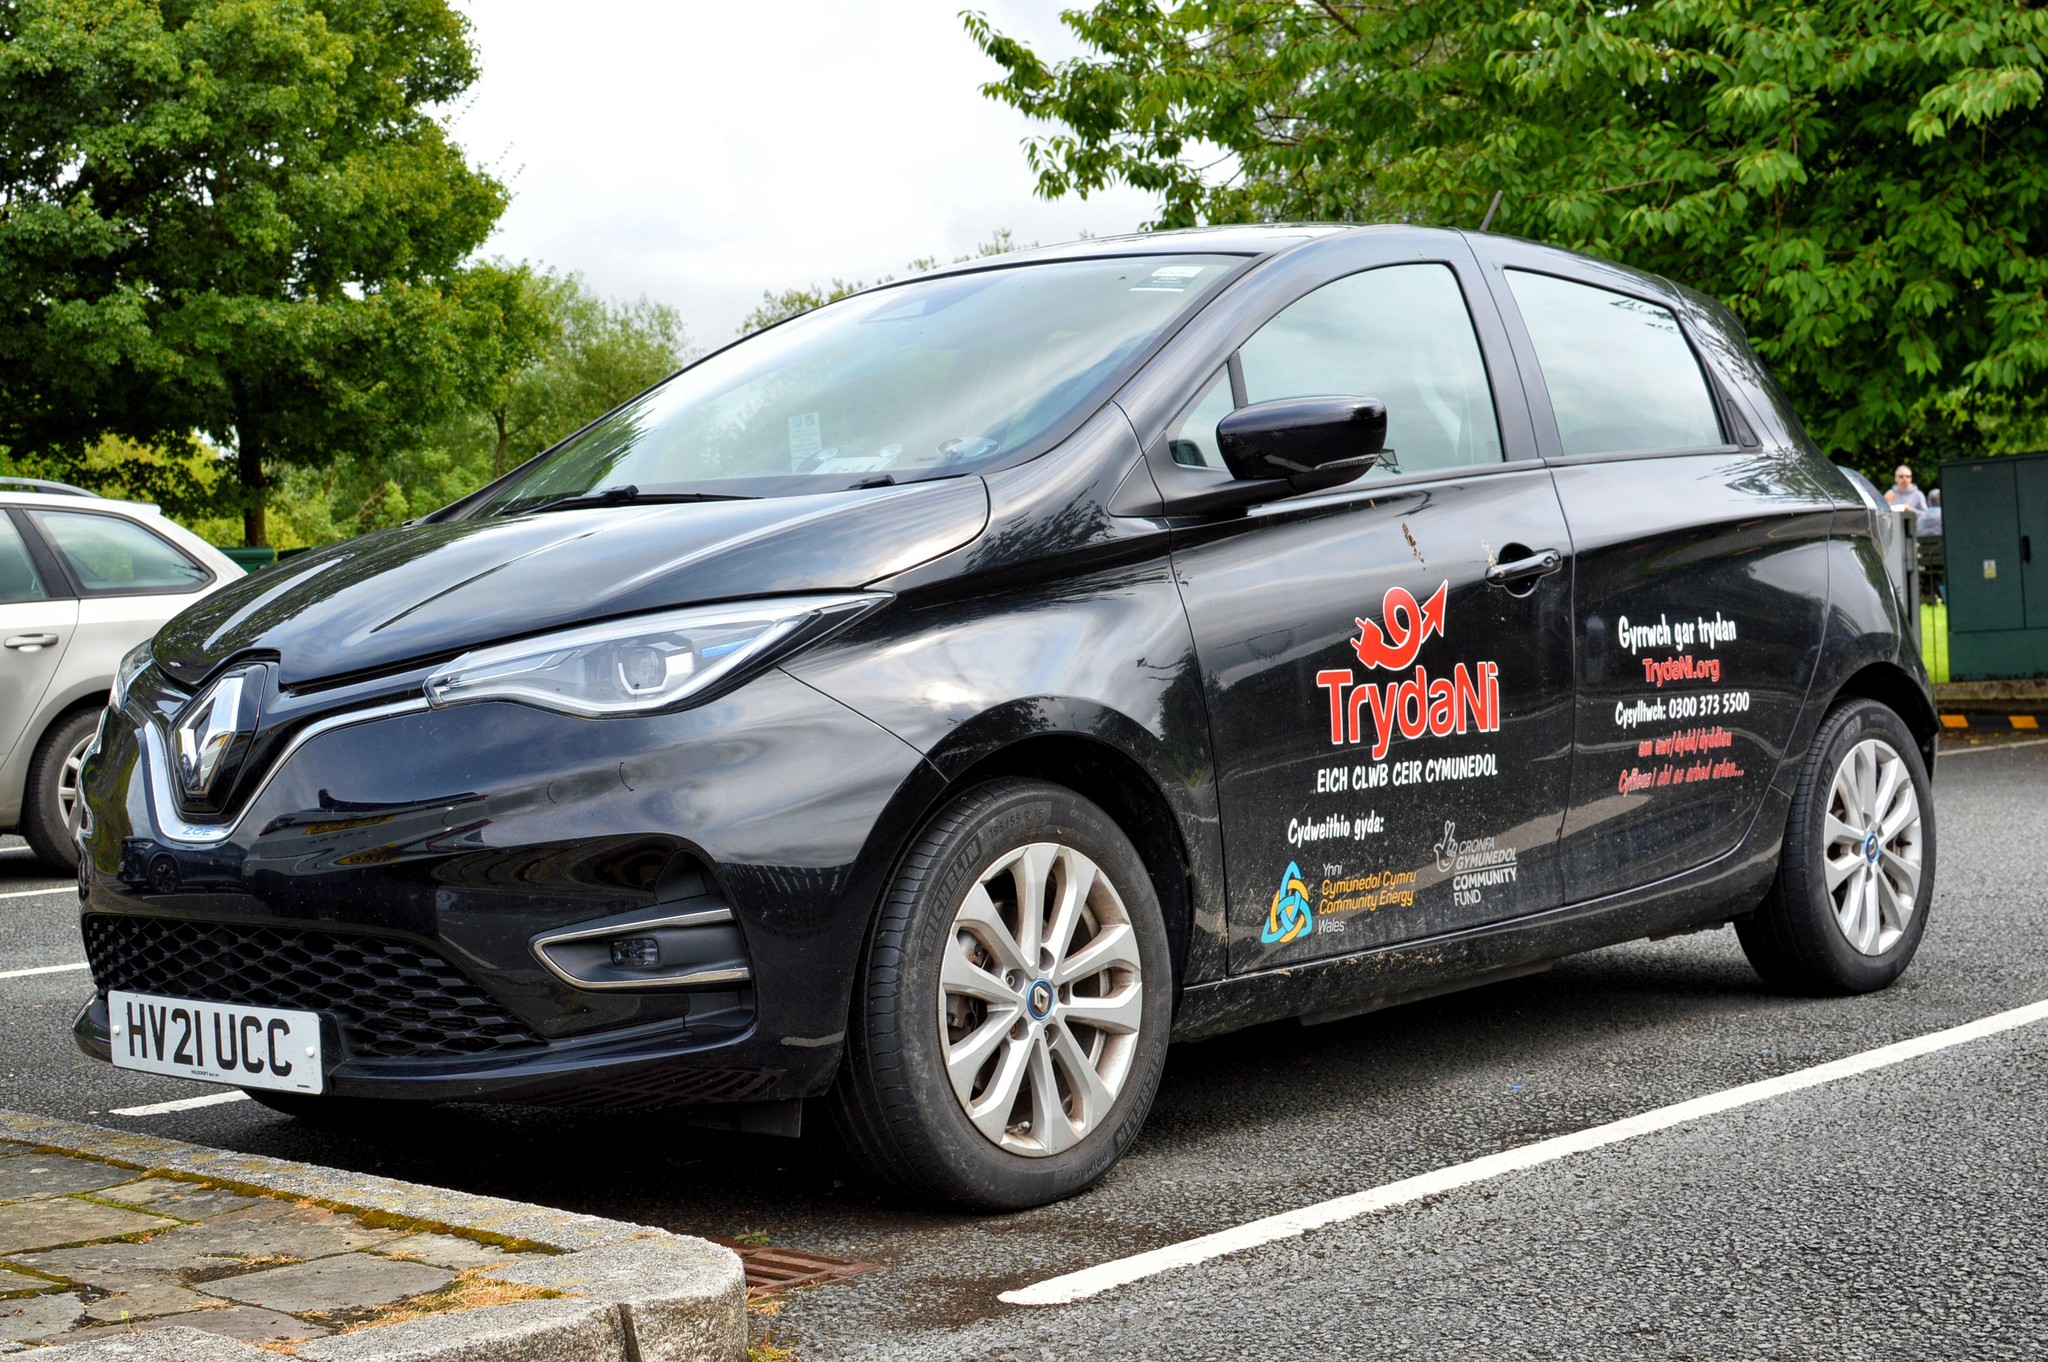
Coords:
1893,687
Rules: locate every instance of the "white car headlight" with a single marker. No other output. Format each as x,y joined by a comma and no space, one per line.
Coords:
133,663
644,663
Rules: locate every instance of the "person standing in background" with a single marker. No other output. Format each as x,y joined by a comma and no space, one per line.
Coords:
1930,519
1903,493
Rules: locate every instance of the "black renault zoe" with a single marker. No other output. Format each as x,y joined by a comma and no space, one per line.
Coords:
924,709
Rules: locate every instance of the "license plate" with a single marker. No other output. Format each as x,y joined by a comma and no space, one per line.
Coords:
247,1047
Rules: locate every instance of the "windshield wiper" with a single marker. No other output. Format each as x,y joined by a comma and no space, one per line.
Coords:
628,495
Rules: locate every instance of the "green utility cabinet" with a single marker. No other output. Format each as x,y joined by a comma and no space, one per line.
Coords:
1994,517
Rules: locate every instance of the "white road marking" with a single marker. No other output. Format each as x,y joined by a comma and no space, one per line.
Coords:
39,893
1989,747
42,969
212,1099
1074,1286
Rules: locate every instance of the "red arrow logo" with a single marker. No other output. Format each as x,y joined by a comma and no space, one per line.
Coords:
1407,625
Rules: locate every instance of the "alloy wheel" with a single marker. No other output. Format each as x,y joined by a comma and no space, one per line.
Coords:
70,799
1041,998
1872,846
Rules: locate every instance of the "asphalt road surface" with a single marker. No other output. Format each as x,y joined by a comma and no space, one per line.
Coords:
1898,1212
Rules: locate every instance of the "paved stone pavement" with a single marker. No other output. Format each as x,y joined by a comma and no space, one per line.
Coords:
90,1249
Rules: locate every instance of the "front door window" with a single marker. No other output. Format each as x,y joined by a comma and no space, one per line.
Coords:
1399,334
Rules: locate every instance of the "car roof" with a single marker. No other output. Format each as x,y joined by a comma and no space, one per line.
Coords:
80,502
1261,240
1242,239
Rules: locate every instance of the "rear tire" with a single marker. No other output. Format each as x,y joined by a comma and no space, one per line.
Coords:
49,816
1856,873
1006,1041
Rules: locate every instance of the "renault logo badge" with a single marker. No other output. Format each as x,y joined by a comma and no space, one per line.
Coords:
207,731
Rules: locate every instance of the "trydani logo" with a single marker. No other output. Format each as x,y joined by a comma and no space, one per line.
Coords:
1408,625
1290,916
1468,699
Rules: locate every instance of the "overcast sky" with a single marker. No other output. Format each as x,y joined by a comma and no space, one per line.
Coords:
699,153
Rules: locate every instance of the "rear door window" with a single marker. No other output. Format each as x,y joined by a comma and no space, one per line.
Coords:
1621,376
19,580
115,557
1400,334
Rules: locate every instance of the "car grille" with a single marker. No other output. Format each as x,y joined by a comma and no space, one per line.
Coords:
391,999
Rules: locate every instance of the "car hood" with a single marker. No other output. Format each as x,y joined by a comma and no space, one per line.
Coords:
429,591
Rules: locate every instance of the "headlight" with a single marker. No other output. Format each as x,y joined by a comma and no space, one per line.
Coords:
133,663
645,663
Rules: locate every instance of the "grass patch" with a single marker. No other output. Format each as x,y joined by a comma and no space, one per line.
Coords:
235,1264
768,1350
471,1290
1934,640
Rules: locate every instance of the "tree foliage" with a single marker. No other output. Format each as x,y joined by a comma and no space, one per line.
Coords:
545,358
187,478
577,356
236,217
1864,181
562,357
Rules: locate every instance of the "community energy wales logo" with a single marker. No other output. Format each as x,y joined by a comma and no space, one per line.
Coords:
1290,916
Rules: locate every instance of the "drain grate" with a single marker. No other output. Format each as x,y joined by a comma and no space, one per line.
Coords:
771,1271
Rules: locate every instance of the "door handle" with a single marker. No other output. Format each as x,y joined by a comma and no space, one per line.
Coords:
1525,569
31,643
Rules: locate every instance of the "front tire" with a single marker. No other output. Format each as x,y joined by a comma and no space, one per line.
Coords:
55,800
1856,873
1010,1019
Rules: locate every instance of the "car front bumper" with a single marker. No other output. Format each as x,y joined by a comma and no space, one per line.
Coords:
401,875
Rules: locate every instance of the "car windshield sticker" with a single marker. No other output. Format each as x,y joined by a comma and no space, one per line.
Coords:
805,439
1169,279
856,463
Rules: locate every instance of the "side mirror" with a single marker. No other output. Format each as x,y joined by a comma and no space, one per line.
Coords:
1312,442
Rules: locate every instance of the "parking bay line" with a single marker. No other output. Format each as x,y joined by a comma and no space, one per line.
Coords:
1991,747
212,1099
1092,1281
39,893
42,969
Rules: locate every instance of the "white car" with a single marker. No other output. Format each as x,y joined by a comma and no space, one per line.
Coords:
83,579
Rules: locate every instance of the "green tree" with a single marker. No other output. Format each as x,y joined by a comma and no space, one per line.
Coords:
1864,181
516,322
550,357
237,217
604,351
184,477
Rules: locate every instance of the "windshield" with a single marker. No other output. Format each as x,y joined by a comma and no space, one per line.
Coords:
920,380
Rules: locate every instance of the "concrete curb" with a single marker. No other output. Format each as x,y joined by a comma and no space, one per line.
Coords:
630,1292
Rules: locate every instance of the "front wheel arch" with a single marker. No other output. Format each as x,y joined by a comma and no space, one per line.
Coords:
1110,779
896,1102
